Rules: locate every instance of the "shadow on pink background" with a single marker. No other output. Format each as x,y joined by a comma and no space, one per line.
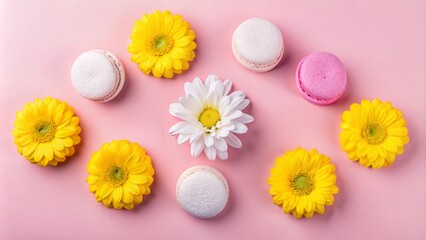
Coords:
381,43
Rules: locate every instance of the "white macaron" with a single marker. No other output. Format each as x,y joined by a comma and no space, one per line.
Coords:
202,191
258,44
98,75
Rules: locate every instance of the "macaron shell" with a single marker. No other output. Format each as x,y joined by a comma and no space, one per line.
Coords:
253,66
202,191
97,75
257,44
321,78
121,76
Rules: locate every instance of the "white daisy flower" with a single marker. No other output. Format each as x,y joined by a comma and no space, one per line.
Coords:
210,117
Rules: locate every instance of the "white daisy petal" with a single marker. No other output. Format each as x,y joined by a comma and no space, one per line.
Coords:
211,79
229,126
243,104
232,116
223,103
183,127
245,118
220,145
233,141
211,100
199,88
232,106
240,128
196,136
188,89
197,147
216,129
186,117
208,140
182,138
192,105
175,128
222,133
238,93
223,155
177,110
227,84
225,121
219,89
210,153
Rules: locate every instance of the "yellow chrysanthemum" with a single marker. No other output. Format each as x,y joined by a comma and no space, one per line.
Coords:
374,133
303,182
162,44
120,174
46,131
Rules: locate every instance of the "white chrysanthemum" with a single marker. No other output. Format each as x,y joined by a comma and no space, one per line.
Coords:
210,117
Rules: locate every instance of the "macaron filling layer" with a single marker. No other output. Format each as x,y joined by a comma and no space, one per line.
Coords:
120,76
252,65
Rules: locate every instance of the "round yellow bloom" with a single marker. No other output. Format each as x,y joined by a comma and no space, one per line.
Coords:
120,174
303,182
374,133
46,131
162,44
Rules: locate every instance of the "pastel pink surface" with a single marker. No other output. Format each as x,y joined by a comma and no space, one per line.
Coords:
384,55
321,78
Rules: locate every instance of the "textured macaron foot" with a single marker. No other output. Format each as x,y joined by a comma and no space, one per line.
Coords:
202,191
321,78
258,44
98,75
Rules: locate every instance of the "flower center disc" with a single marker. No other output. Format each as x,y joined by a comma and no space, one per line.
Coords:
302,184
374,134
117,175
161,44
44,131
209,117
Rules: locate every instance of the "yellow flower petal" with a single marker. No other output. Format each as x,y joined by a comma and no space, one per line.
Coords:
373,133
127,197
37,126
104,191
29,150
118,194
119,174
161,43
302,182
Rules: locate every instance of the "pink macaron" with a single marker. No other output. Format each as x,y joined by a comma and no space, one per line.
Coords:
321,78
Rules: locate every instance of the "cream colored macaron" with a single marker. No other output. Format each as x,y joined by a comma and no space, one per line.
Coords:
202,191
98,75
258,44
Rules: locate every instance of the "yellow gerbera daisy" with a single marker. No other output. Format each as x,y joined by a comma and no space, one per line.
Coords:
46,131
162,44
374,133
120,174
303,182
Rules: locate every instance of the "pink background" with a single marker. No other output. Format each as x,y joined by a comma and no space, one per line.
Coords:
381,43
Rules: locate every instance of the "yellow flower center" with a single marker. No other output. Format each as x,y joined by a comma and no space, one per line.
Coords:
302,184
209,117
117,175
374,134
161,44
44,131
